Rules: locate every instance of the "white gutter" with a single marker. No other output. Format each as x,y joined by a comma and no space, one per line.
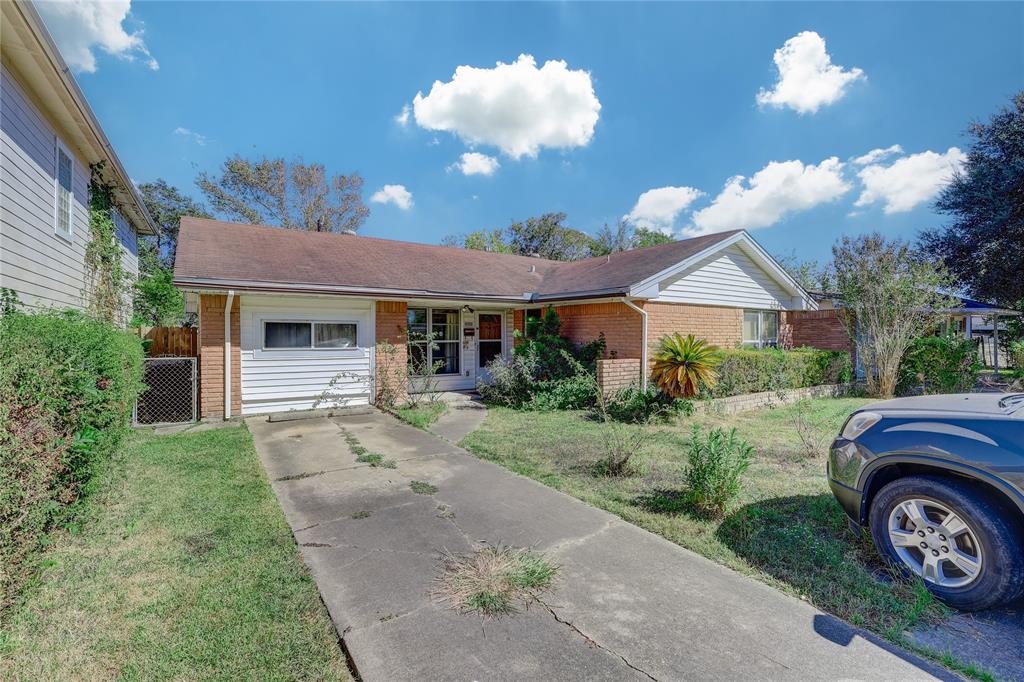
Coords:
227,353
643,346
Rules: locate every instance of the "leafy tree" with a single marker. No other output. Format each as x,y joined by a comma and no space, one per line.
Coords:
983,247
166,204
547,237
811,274
613,240
892,294
157,301
643,237
481,240
289,194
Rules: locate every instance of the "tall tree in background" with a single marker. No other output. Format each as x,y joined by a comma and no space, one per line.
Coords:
643,237
166,204
545,236
289,194
811,274
984,245
613,240
891,294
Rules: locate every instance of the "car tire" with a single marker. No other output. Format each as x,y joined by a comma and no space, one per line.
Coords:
998,535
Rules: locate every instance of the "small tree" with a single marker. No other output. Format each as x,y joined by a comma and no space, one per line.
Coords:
892,295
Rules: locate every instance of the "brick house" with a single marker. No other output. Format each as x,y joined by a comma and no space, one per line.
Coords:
290,310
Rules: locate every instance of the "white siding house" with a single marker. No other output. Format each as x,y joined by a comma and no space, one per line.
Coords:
47,148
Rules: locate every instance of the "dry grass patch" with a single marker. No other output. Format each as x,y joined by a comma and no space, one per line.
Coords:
493,580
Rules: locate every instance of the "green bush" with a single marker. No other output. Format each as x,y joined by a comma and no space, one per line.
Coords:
636,406
714,466
68,384
512,380
771,369
1017,357
939,364
553,352
571,393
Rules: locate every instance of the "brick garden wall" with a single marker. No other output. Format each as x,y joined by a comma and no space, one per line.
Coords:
818,329
392,320
211,356
618,373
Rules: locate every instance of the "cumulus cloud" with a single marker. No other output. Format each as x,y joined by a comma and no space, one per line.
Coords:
393,194
475,163
909,181
807,78
777,190
657,209
877,155
79,25
515,107
192,135
402,117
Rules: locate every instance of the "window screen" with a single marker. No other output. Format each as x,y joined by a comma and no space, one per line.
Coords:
335,334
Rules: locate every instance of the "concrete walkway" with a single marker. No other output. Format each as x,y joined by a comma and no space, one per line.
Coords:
626,604
466,412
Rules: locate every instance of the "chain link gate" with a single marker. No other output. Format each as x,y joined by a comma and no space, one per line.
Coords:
170,396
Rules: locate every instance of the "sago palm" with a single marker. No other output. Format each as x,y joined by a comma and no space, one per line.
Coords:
683,364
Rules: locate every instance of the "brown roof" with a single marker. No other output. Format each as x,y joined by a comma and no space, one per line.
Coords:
218,254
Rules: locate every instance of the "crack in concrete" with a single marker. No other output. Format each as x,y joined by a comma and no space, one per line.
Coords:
572,542
592,641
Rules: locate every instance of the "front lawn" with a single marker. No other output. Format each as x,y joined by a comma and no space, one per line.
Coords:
786,528
183,567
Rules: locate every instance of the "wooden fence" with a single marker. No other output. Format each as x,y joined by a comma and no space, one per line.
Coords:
179,341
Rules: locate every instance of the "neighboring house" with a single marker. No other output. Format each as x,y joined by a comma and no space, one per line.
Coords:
49,139
305,307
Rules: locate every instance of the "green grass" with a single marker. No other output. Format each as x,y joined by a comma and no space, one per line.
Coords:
421,488
423,415
183,568
785,529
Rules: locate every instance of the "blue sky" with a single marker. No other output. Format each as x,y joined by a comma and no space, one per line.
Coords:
660,97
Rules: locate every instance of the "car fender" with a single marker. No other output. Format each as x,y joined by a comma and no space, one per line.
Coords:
884,460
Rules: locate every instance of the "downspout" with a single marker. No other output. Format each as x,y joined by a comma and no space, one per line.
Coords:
227,353
643,342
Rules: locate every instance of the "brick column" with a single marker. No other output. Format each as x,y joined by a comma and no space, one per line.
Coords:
391,328
211,356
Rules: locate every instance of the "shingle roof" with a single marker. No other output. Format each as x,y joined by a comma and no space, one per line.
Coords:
220,254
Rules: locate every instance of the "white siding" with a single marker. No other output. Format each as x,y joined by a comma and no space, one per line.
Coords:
43,268
727,278
276,381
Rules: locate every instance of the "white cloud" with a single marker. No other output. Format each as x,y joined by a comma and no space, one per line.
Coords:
778,189
515,107
402,117
807,77
877,155
192,135
657,209
475,163
909,181
79,25
393,194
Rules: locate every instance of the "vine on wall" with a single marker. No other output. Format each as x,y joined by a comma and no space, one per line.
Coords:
107,283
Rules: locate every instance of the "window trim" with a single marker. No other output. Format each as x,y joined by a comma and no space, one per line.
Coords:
760,342
60,148
312,336
429,344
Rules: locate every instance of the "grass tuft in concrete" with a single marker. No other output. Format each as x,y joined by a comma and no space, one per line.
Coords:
421,488
423,415
493,580
361,514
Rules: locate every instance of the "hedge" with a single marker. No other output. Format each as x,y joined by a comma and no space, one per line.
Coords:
770,369
939,364
67,385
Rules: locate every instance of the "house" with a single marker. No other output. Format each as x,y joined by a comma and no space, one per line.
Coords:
282,312
49,140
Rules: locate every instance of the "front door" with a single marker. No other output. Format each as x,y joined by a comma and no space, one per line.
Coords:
489,342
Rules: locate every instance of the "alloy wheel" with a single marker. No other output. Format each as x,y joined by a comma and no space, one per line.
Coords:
935,542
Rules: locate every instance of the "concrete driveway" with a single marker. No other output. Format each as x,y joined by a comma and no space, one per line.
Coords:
627,604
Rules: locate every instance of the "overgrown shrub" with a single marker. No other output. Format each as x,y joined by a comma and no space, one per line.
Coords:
939,364
716,462
637,406
771,369
551,350
512,380
576,392
1017,357
68,384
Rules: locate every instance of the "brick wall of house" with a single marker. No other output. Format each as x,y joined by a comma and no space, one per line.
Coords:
622,326
211,356
722,327
392,321
518,324
818,329
614,374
